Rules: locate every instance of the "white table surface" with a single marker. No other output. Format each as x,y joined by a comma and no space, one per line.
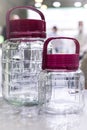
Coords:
12,118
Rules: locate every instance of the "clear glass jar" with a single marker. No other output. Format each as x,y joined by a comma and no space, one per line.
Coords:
61,91
22,58
61,83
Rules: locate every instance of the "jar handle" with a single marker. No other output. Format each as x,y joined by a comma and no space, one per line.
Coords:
21,7
53,38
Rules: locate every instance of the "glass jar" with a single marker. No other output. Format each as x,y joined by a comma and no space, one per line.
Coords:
61,82
22,58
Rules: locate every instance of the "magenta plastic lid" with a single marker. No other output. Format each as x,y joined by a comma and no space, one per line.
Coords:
60,61
25,27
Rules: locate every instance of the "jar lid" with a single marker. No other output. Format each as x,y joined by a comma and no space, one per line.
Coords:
25,27
60,61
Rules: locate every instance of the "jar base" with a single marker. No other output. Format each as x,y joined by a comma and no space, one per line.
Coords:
21,102
62,108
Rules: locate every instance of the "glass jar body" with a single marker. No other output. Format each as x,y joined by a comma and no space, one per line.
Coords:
21,65
61,92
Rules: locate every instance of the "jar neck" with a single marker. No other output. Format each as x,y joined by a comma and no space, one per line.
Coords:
62,70
26,39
